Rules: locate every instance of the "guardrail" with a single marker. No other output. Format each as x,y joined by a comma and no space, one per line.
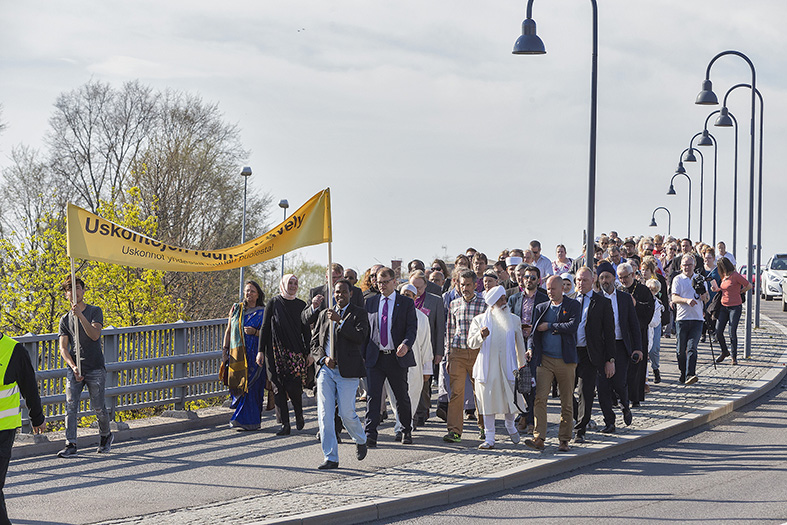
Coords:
147,366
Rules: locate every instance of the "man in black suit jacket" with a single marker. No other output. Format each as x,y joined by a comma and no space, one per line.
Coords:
628,347
389,353
644,304
339,365
553,347
318,296
595,347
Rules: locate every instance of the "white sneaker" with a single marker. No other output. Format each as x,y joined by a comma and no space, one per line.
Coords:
514,438
485,445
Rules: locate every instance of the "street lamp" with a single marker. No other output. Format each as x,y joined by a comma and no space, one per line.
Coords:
245,173
672,192
706,97
706,139
759,189
688,156
283,204
669,219
715,167
530,44
724,120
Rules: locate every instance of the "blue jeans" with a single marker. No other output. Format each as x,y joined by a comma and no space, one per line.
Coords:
731,314
95,380
333,388
688,333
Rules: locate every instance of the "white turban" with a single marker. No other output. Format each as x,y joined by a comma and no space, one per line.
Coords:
492,296
513,261
409,288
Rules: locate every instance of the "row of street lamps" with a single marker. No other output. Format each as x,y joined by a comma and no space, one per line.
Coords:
283,204
530,44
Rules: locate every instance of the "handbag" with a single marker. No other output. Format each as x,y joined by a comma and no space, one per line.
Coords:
523,380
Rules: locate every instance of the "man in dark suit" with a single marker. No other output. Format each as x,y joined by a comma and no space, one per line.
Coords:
432,306
318,296
595,346
644,304
418,264
339,365
628,347
522,304
389,353
553,346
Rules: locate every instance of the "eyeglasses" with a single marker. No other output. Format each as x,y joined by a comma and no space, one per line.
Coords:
624,276
384,282
531,277
436,269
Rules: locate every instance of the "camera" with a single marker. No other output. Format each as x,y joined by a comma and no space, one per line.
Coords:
698,283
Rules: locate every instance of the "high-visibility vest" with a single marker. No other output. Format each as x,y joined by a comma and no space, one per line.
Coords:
10,415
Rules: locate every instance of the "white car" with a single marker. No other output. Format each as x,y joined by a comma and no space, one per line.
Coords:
773,273
784,295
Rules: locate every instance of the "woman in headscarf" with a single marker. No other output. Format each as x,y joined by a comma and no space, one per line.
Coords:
285,344
246,318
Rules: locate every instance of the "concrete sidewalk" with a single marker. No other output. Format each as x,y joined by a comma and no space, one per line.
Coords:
449,473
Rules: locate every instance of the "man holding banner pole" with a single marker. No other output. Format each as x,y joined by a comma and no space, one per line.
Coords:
87,369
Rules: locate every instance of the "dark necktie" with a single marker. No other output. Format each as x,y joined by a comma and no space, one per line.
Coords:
384,324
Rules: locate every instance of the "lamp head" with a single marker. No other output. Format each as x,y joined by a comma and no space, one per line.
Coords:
529,43
707,97
689,156
284,204
246,172
680,169
724,120
705,140
653,222
671,190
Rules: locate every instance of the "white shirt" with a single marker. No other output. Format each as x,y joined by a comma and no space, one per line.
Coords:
729,256
581,339
614,298
544,265
391,302
681,286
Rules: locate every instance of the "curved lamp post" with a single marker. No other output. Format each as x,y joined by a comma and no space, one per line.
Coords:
688,156
724,122
669,219
708,97
671,191
530,44
245,173
715,167
705,139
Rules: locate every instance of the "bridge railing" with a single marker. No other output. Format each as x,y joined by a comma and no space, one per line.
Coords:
147,366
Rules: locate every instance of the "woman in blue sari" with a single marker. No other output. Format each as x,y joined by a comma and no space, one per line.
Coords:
248,405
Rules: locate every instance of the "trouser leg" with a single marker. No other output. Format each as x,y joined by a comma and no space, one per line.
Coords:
564,373
96,385
73,393
586,386
375,380
735,317
6,442
544,377
456,376
326,406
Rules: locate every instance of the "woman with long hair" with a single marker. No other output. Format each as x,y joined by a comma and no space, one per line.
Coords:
285,351
733,286
246,318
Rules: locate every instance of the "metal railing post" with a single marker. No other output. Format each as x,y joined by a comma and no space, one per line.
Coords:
32,351
111,354
180,368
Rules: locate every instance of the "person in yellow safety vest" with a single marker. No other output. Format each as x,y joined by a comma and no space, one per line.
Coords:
19,377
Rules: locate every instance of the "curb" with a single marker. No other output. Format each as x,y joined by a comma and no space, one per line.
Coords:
384,508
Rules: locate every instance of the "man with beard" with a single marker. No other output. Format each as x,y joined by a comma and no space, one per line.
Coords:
498,336
628,347
643,306
522,304
553,347
595,347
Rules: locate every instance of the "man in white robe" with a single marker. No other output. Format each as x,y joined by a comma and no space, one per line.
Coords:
498,334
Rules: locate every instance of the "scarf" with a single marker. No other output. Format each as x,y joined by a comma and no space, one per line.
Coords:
237,376
285,281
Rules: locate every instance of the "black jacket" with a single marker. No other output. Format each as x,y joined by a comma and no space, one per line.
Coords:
600,329
350,341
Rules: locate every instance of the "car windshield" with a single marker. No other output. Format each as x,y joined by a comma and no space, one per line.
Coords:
779,264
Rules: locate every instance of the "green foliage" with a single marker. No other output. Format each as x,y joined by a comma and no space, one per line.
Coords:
33,270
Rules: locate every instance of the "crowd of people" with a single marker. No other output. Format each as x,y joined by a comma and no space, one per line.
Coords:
494,337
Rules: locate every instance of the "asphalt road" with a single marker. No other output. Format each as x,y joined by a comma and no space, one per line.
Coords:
732,471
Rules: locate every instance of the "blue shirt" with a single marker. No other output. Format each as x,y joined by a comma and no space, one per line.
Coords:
552,343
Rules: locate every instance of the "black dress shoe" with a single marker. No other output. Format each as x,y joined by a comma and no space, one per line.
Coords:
299,422
371,443
656,375
360,451
285,431
398,437
328,464
635,404
627,416
608,429
407,439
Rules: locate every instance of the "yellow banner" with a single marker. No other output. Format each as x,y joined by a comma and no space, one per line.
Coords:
94,238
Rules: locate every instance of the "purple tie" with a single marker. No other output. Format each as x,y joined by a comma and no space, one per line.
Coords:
384,324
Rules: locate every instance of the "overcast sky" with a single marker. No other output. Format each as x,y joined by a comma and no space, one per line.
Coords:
431,135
